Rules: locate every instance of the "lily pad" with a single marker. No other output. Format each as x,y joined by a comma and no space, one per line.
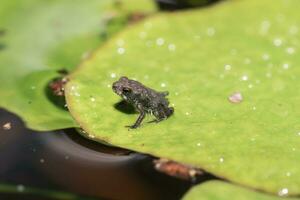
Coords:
202,57
220,190
37,39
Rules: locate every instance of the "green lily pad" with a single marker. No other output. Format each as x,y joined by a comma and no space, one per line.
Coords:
202,57
40,37
220,190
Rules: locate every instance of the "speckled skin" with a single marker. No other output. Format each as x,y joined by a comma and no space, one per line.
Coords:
144,99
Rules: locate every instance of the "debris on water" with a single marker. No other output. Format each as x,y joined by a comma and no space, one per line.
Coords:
175,169
136,17
7,126
57,86
236,97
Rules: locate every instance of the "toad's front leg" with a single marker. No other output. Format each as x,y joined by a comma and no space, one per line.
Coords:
139,119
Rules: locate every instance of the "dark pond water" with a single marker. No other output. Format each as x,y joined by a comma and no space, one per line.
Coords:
66,161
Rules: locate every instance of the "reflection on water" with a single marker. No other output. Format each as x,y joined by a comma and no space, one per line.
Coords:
66,161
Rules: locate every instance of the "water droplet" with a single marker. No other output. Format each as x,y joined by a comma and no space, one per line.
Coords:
91,136
268,75
253,108
277,42
235,97
163,85
227,67
176,93
265,25
121,50
146,77
109,85
221,160
160,41
265,56
77,94
143,35
283,192
172,47
113,75
33,87
198,144
293,149
288,174
20,188
298,133
250,86
42,160
247,61
187,113
92,99
285,66
73,87
290,50
293,30
211,31
244,78
257,81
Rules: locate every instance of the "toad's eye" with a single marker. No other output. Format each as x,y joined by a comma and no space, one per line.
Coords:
126,90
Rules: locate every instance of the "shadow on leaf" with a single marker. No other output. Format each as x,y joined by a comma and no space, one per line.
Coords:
125,107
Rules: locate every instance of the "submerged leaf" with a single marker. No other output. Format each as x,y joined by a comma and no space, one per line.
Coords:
38,38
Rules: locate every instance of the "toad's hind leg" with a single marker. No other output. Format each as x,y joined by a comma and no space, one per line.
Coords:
163,113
